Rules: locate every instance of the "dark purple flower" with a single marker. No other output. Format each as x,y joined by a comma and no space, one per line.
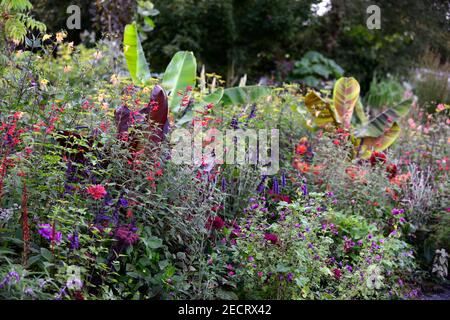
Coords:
290,277
234,123
252,112
74,240
123,202
396,212
261,186
126,234
275,186
224,184
305,189
12,275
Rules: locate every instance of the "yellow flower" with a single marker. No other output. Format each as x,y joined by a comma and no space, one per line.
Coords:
46,37
146,90
101,97
104,106
60,36
43,83
114,79
67,69
98,55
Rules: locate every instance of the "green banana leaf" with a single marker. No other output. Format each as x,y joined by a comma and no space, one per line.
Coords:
370,144
134,55
213,98
244,95
384,120
180,73
359,116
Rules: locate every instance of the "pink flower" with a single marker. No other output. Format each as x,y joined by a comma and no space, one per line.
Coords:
440,107
96,191
337,273
272,238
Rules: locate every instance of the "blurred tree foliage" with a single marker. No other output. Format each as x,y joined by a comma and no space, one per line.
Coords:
231,37
408,28
260,37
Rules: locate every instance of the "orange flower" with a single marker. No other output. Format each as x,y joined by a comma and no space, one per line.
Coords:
301,166
355,173
401,179
301,149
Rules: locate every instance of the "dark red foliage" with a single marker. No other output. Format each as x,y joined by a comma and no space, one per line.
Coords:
158,110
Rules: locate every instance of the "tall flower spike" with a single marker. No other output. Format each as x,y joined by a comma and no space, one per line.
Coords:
275,186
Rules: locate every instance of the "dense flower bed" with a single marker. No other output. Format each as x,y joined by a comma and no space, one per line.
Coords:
90,210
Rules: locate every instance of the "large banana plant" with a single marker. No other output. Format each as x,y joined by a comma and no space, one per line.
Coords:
345,111
180,78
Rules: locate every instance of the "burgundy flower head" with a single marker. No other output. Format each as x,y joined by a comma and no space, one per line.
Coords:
216,223
126,234
272,238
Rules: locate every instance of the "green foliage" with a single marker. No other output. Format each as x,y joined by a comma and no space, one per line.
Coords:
16,22
384,92
296,253
314,68
431,80
244,95
180,75
134,55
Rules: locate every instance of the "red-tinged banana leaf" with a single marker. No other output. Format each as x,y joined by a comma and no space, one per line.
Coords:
370,144
345,96
122,118
384,120
322,112
157,113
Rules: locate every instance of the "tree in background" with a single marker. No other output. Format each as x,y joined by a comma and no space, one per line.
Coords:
408,28
231,37
264,37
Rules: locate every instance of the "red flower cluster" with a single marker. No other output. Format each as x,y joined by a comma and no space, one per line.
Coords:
377,157
215,223
96,191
